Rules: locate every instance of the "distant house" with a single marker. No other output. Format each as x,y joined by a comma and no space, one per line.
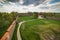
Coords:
40,16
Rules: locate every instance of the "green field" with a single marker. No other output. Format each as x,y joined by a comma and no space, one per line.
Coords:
25,18
41,29
37,29
20,19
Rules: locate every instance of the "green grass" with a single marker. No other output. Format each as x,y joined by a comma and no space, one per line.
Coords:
25,18
3,29
19,20
36,29
15,33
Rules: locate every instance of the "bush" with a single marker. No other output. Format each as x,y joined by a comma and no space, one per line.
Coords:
5,20
35,15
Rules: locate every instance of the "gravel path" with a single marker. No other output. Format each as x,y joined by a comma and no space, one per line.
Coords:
18,31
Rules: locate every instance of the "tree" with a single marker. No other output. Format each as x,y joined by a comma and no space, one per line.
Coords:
35,15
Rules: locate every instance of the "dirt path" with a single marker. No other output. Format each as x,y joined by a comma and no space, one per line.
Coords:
18,31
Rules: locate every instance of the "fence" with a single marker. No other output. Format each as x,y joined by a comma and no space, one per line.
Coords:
9,33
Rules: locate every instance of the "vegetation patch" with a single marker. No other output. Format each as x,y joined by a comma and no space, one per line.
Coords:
24,18
5,21
40,29
15,33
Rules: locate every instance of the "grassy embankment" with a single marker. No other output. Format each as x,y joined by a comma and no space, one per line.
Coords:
41,29
19,20
15,33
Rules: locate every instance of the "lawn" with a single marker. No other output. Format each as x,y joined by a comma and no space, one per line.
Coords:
41,29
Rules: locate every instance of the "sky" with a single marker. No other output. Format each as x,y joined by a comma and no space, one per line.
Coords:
30,6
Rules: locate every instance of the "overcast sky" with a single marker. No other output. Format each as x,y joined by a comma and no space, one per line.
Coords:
30,5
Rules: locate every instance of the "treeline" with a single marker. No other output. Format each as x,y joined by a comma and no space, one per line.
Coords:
5,20
44,14
50,14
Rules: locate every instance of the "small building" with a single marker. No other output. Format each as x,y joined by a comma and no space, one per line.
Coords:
40,16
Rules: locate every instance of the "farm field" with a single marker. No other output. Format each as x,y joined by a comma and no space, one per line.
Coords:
41,29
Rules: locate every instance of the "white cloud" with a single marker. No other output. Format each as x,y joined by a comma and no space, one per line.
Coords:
2,1
44,7
21,1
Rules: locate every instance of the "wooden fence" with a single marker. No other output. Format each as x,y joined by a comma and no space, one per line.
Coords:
9,33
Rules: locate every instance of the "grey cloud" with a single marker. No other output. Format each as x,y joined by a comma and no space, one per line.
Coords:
13,0
57,6
26,2
2,0
35,2
44,7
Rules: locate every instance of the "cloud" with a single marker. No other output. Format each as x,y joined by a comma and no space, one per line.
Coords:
55,7
13,7
2,0
13,0
21,1
19,7
54,1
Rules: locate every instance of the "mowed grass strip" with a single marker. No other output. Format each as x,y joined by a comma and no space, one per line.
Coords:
34,30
